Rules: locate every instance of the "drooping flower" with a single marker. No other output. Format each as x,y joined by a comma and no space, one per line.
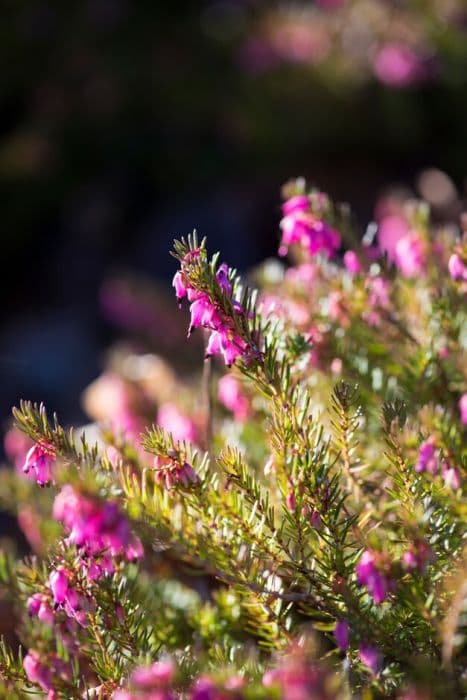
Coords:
301,226
410,255
427,458
451,476
170,471
457,268
341,634
98,527
463,408
40,459
417,556
352,263
371,658
371,572
39,605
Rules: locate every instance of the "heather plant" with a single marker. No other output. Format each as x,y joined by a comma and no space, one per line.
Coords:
292,524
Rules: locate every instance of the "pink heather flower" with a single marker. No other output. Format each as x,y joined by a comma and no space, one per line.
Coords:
29,522
290,501
297,678
457,269
159,675
40,459
417,557
297,203
222,276
392,228
226,342
304,274
410,257
38,605
95,526
36,671
169,473
370,575
397,65
427,458
59,584
203,313
371,658
232,396
341,634
16,445
315,519
300,226
352,263
172,420
180,287
463,408
451,476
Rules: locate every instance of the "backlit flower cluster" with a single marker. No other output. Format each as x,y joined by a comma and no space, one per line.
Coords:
209,313
302,226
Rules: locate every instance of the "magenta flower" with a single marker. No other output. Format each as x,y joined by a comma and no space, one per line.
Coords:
427,458
59,584
341,634
175,422
159,675
371,658
40,459
98,527
180,287
300,226
38,605
451,476
410,257
397,65
463,408
232,396
370,574
457,268
37,671
352,263
169,472
417,556
222,276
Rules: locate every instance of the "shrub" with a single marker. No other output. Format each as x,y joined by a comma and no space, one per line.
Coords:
300,534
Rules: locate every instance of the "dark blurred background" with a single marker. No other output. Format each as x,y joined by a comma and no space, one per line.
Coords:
124,124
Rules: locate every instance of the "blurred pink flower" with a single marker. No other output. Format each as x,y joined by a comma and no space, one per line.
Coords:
175,422
397,65
232,396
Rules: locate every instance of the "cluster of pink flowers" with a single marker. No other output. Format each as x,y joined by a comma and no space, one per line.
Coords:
373,572
379,300
463,408
457,268
403,245
398,65
205,313
149,683
429,460
298,679
97,528
40,460
417,556
303,227
180,426
170,471
232,396
45,675
155,682
63,594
